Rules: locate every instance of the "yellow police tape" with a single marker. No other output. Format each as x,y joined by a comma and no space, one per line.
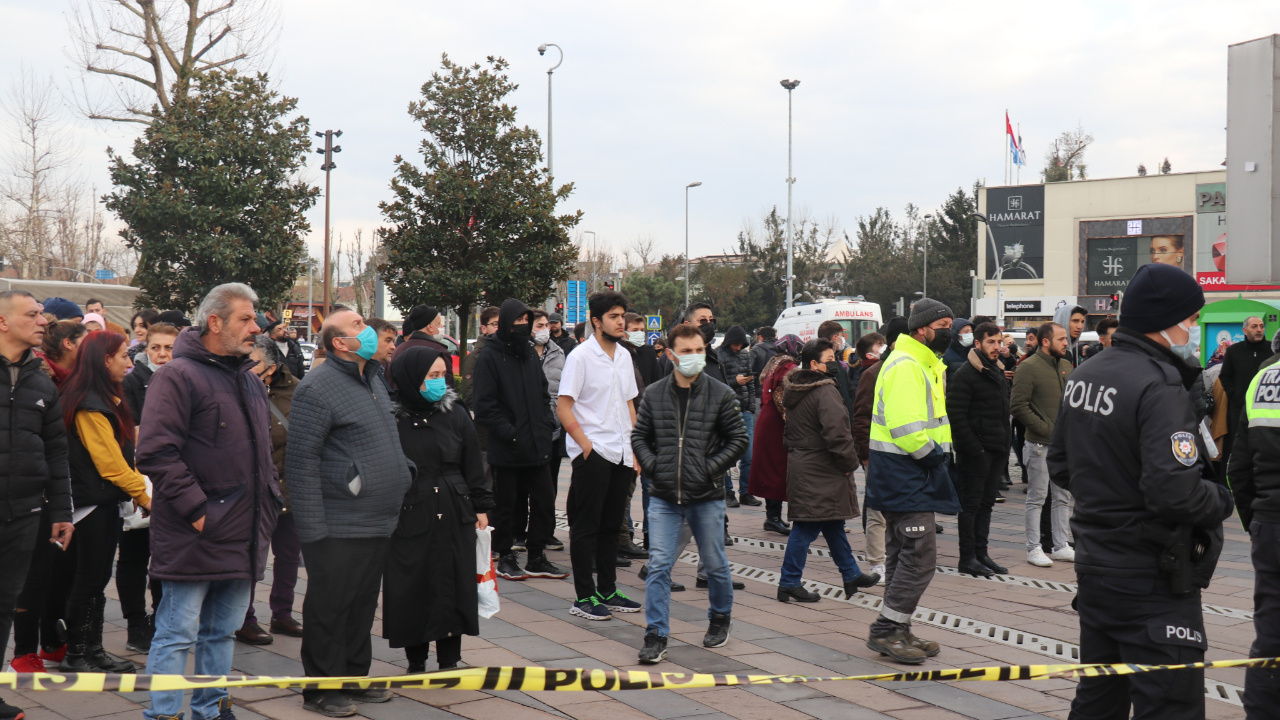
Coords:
574,679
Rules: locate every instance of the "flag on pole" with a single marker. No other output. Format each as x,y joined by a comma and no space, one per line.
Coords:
1015,145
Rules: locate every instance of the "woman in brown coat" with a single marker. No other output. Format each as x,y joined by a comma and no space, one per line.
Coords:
820,462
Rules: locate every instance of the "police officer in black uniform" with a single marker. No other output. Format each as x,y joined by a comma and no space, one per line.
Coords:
1148,515
1254,472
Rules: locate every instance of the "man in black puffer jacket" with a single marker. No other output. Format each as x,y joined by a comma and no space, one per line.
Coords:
33,446
688,433
735,357
512,402
978,407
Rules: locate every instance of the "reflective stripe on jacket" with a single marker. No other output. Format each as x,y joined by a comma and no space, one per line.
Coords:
910,435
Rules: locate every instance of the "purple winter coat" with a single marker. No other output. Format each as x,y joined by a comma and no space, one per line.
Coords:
205,442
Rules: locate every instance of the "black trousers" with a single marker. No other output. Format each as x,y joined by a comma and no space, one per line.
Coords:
980,477
344,577
448,651
596,503
132,578
1262,687
509,483
521,520
94,544
1137,620
43,601
17,541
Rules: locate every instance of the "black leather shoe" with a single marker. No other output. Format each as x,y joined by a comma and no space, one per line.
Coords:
776,525
970,566
737,584
620,561
797,593
862,582
644,575
731,500
286,626
749,499
633,551
996,567
253,634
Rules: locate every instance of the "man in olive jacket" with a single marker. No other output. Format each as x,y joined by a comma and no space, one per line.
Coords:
1037,393
689,431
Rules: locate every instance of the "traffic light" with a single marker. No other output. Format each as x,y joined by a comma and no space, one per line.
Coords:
1115,301
608,284
559,307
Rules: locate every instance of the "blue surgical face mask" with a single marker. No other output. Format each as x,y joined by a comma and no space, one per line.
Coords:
368,338
1188,350
434,389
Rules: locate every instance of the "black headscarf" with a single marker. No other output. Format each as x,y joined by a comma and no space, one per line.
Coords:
408,371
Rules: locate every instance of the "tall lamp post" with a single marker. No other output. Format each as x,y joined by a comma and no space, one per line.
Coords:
328,151
542,50
686,242
924,283
789,85
999,267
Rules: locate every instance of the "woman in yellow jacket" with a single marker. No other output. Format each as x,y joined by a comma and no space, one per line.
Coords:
101,435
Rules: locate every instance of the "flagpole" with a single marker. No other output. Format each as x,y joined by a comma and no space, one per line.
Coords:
1020,150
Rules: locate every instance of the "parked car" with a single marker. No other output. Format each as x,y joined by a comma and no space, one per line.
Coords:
308,352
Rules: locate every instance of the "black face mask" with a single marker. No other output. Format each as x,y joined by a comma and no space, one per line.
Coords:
708,331
941,340
832,368
522,332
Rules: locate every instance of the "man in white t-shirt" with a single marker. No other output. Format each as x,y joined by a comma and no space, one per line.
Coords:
597,409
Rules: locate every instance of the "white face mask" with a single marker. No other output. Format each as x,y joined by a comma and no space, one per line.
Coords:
542,337
691,365
636,337
966,339
879,350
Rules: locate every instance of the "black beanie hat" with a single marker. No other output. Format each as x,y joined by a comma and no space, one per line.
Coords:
419,317
1159,297
892,329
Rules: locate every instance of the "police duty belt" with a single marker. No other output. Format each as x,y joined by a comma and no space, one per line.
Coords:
537,679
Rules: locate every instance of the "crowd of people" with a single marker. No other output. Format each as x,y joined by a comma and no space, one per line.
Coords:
185,451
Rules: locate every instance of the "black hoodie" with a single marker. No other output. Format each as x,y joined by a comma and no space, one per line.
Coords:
509,392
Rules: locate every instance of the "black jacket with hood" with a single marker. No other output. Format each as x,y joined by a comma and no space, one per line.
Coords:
687,456
957,355
510,395
33,444
736,364
978,407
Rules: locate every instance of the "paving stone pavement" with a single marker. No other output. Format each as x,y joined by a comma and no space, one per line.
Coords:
534,627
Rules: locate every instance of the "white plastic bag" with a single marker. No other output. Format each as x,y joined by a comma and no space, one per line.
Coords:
487,580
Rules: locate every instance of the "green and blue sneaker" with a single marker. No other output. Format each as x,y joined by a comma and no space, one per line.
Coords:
591,609
618,602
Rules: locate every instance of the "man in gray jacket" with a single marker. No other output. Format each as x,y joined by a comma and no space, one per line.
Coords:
347,480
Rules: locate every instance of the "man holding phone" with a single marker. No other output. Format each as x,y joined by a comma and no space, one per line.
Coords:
735,357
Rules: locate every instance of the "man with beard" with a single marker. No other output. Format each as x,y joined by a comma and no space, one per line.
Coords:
1072,317
1239,365
1037,392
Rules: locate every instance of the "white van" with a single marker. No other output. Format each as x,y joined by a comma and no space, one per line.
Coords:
857,317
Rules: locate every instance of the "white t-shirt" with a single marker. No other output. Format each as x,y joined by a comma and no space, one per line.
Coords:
600,388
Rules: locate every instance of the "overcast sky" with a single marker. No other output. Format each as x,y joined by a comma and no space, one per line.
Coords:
899,101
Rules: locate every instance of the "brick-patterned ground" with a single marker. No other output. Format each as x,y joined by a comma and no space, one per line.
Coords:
534,627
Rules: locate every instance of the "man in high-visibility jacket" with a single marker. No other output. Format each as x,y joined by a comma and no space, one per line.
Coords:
907,477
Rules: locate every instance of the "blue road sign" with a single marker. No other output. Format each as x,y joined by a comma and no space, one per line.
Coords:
653,337
653,322
105,274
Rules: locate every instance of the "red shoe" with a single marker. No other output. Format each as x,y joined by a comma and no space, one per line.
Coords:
27,664
55,656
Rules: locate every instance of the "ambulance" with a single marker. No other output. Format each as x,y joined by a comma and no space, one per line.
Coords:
856,316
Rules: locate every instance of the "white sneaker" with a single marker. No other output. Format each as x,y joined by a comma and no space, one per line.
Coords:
1066,554
879,569
1036,557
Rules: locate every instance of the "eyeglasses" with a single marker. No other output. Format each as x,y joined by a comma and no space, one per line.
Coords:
491,325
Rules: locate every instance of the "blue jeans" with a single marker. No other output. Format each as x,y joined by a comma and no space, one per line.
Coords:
802,535
200,614
706,519
646,482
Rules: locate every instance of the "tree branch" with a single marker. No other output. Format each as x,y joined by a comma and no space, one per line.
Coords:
225,31
122,51
118,73
227,61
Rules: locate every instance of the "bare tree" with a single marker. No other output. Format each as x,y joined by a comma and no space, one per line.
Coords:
645,251
1065,159
595,262
363,269
149,50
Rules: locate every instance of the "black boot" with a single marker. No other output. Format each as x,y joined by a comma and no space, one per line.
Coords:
996,567
970,566
79,630
95,656
775,524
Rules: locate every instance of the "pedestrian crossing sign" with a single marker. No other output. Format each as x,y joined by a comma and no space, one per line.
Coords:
654,323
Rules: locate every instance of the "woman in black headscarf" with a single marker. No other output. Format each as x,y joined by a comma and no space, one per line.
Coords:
429,587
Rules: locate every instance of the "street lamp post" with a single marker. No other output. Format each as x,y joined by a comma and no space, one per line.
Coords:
789,85
999,267
924,283
542,50
328,151
686,242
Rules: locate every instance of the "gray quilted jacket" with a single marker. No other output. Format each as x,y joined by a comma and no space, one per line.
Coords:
342,427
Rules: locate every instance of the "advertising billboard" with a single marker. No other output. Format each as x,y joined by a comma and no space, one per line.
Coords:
1113,250
1211,238
1015,216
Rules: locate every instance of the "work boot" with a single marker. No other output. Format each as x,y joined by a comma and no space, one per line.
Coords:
717,631
731,500
633,551
141,631
797,593
929,647
79,630
897,646
862,582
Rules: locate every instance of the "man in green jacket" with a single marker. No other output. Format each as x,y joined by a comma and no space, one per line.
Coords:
1037,392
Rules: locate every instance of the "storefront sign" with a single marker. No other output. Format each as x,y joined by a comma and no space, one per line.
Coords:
1016,219
1021,306
1115,249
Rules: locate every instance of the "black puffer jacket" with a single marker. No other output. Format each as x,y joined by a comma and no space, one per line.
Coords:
135,388
714,438
33,444
510,396
978,407
736,364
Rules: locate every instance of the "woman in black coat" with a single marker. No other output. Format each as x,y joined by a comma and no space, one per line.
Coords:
429,587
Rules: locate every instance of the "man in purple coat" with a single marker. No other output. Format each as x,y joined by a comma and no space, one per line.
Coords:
205,442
